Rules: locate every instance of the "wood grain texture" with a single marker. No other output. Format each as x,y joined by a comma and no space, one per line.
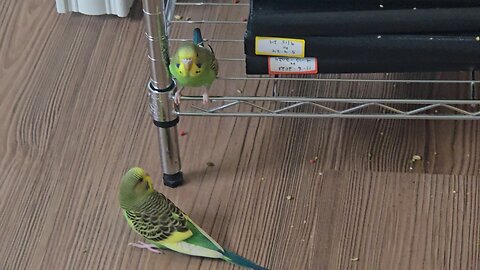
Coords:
74,117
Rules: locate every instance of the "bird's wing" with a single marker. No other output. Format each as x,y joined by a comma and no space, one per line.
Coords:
199,244
213,63
200,237
193,250
159,220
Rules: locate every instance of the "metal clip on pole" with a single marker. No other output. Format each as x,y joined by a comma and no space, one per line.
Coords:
160,90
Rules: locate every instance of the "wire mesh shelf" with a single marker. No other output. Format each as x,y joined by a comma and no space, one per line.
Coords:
328,108
322,105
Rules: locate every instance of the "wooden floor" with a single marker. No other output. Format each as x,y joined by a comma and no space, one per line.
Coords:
74,117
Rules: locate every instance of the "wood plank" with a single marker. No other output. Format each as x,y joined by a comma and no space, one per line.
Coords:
397,221
74,117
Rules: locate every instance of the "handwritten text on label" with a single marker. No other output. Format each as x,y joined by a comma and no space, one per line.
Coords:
291,65
279,46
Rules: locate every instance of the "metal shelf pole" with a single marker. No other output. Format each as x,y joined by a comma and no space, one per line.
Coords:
160,89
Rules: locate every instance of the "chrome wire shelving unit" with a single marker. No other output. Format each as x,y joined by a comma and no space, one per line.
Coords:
326,101
322,107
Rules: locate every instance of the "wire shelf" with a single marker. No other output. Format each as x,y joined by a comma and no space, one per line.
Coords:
313,107
326,108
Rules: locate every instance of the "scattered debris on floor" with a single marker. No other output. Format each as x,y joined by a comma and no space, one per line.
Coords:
354,259
289,197
183,133
414,159
178,17
210,164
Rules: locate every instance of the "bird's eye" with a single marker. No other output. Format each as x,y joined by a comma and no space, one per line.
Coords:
198,71
141,179
199,65
178,65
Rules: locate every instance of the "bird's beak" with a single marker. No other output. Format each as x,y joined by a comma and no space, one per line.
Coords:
187,62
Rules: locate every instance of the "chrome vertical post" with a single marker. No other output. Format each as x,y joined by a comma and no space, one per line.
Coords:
160,90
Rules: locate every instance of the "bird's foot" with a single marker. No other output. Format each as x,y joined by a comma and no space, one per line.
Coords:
149,247
177,97
205,99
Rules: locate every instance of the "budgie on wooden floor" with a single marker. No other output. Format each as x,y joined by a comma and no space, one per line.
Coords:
193,65
164,225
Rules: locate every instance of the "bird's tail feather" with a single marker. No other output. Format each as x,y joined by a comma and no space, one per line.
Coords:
240,261
197,37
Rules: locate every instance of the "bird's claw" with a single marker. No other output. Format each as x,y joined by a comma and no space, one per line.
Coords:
177,97
205,99
149,247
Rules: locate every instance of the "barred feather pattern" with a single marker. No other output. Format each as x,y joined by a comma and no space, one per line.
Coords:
214,66
157,218
214,63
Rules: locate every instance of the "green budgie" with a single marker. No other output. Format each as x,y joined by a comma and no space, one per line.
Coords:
164,225
194,65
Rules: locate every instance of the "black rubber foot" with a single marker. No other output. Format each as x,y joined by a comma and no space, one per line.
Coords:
173,180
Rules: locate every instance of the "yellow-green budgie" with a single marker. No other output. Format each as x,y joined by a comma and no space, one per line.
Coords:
164,225
194,65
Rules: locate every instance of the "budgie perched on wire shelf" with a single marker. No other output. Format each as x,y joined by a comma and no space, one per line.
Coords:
164,225
193,65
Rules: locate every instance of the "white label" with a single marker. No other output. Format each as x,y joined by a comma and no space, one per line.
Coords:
292,65
279,46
